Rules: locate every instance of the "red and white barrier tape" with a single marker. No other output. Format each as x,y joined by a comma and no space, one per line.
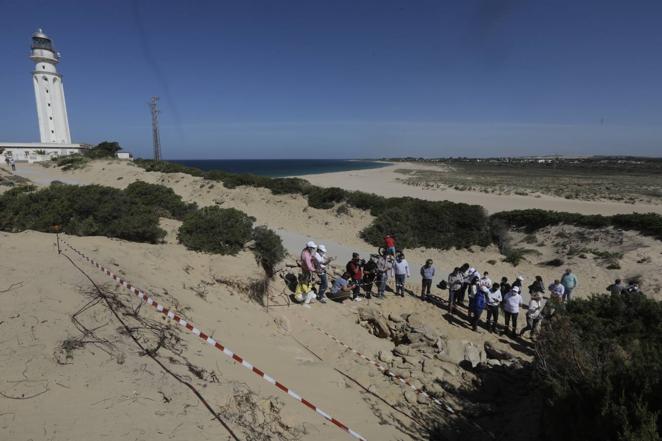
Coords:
170,314
381,367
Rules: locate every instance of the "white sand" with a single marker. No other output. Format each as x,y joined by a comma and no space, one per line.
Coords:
383,181
117,393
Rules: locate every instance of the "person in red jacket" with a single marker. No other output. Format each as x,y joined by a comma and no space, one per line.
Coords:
355,269
389,241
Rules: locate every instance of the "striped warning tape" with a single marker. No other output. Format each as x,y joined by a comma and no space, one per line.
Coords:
381,367
209,340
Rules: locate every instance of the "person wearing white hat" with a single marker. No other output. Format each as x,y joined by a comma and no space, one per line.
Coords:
321,261
511,304
307,260
478,305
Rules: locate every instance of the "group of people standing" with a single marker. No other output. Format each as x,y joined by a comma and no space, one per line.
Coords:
464,284
484,295
359,279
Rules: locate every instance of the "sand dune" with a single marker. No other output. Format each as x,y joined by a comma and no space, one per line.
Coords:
76,386
383,181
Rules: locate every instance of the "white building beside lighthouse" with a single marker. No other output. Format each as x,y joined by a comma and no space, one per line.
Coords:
51,108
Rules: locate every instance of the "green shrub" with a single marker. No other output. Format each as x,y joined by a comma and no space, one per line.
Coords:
268,249
599,362
103,150
649,224
70,162
418,223
166,202
167,167
325,198
367,201
83,211
216,230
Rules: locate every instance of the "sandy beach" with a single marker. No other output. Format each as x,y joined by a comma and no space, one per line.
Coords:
91,386
384,182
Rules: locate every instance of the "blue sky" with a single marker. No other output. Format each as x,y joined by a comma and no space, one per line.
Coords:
344,79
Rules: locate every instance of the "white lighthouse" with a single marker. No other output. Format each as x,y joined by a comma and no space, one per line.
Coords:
51,108
49,91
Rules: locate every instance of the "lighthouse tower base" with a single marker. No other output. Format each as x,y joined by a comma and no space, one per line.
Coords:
38,151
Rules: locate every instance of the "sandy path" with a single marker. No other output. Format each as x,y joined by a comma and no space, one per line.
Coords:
383,181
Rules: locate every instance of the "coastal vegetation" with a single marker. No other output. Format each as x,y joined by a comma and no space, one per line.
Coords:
623,179
103,150
90,210
216,230
531,220
133,214
420,223
599,362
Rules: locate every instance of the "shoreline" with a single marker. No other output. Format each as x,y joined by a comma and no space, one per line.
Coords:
384,182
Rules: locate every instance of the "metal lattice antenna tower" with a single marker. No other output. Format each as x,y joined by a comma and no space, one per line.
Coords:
156,138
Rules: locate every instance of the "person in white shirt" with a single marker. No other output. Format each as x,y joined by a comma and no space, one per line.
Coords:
485,281
401,272
533,315
511,303
321,261
494,299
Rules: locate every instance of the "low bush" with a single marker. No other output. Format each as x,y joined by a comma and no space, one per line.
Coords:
325,198
599,362
70,162
216,230
649,224
84,211
103,150
418,223
268,249
167,167
164,200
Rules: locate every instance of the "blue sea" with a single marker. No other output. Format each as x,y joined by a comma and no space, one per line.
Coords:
279,167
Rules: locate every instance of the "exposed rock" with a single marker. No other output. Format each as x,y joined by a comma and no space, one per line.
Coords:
411,396
422,399
493,362
472,354
375,321
415,322
412,359
404,373
394,318
492,352
414,337
385,356
435,389
402,350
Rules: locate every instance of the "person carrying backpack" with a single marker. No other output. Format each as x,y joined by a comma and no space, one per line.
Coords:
479,303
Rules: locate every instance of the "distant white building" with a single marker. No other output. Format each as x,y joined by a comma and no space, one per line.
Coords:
51,108
125,155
